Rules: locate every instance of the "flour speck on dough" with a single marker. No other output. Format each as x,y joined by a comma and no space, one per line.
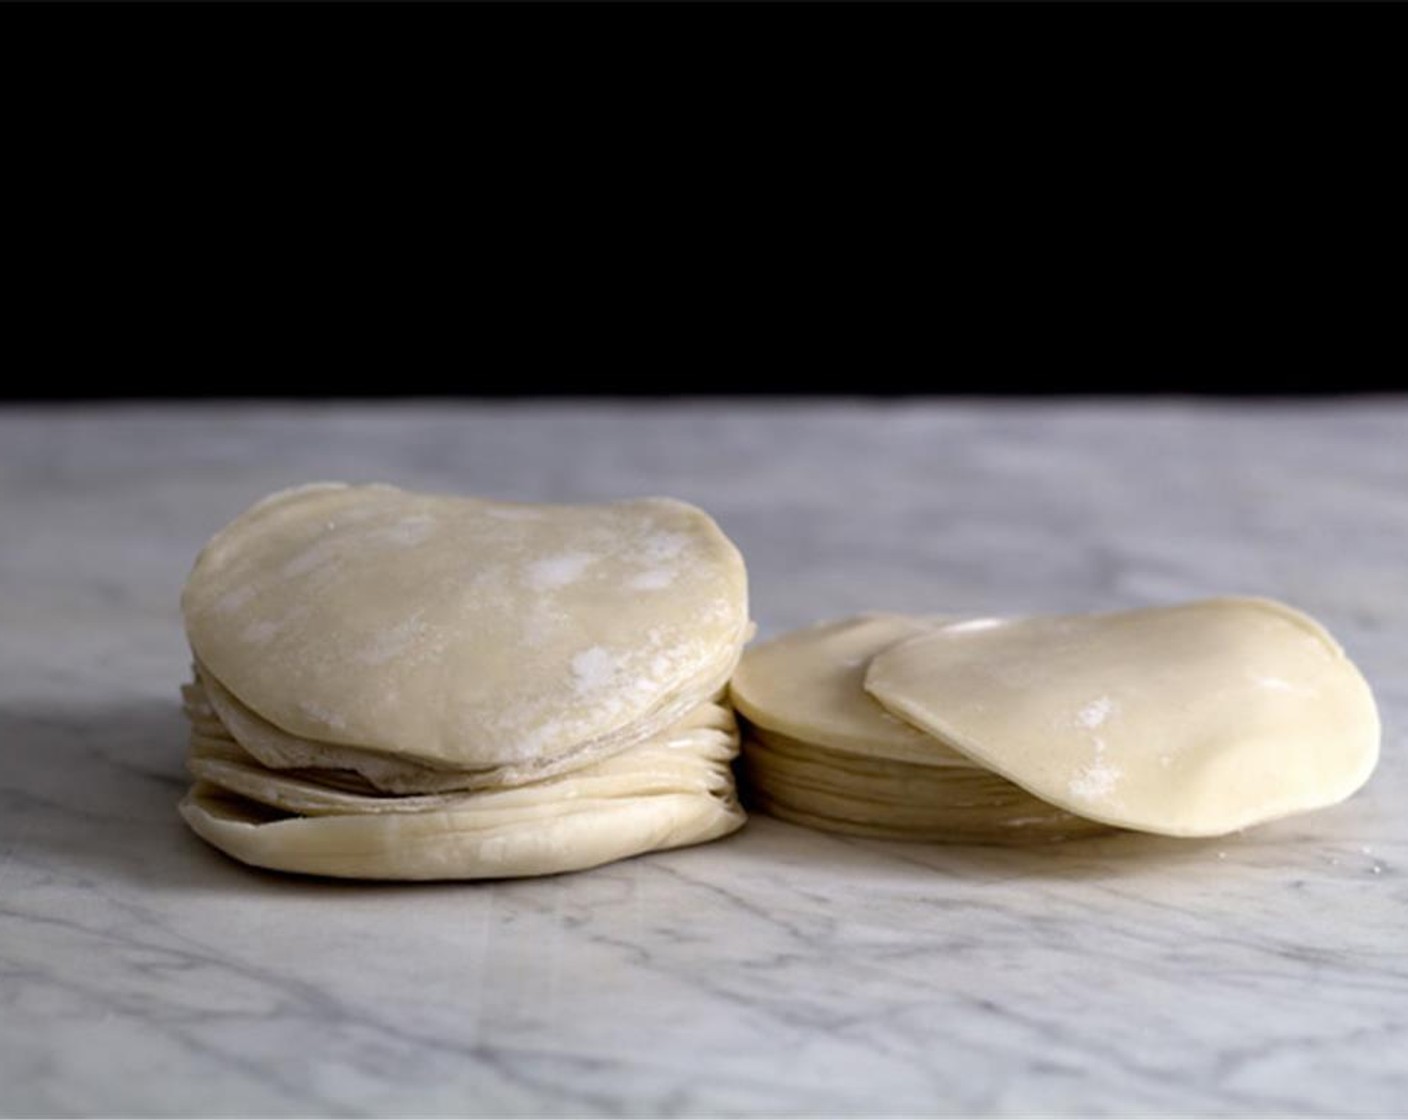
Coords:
553,572
594,669
1096,782
664,546
661,552
655,579
1096,712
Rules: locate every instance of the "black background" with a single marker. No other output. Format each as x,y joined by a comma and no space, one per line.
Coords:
641,200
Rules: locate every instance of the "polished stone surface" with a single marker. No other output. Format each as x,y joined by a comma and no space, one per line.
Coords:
780,971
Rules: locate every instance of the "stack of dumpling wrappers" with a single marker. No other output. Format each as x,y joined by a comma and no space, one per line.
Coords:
392,685
404,686
1191,720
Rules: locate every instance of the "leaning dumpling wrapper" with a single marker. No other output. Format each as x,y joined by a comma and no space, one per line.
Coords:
1192,720
819,751
395,685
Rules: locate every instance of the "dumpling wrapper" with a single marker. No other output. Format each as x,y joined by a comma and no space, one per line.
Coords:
808,685
864,796
458,841
466,634
1191,720
388,773
673,790
691,757
821,752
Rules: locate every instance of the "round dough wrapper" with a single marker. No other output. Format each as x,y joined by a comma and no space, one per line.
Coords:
386,773
1046,825
465,633
1190,720
839,792
691,757
457,842
809,685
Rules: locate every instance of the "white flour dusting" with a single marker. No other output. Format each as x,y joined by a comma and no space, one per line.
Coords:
664,546
661,551
1096,712
553,572
653,580
593,669
1096,782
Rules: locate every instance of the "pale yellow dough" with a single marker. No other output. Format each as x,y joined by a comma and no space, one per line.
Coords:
820,752
465,633
404,686
673,790
692,756
867,796
456,842
808,684
1190,720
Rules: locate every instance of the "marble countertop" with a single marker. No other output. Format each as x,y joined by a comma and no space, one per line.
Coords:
779,971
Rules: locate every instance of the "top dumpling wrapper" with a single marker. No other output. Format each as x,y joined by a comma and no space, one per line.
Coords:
809,685
1192,720
465,632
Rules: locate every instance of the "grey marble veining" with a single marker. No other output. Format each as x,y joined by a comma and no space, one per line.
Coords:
780,971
